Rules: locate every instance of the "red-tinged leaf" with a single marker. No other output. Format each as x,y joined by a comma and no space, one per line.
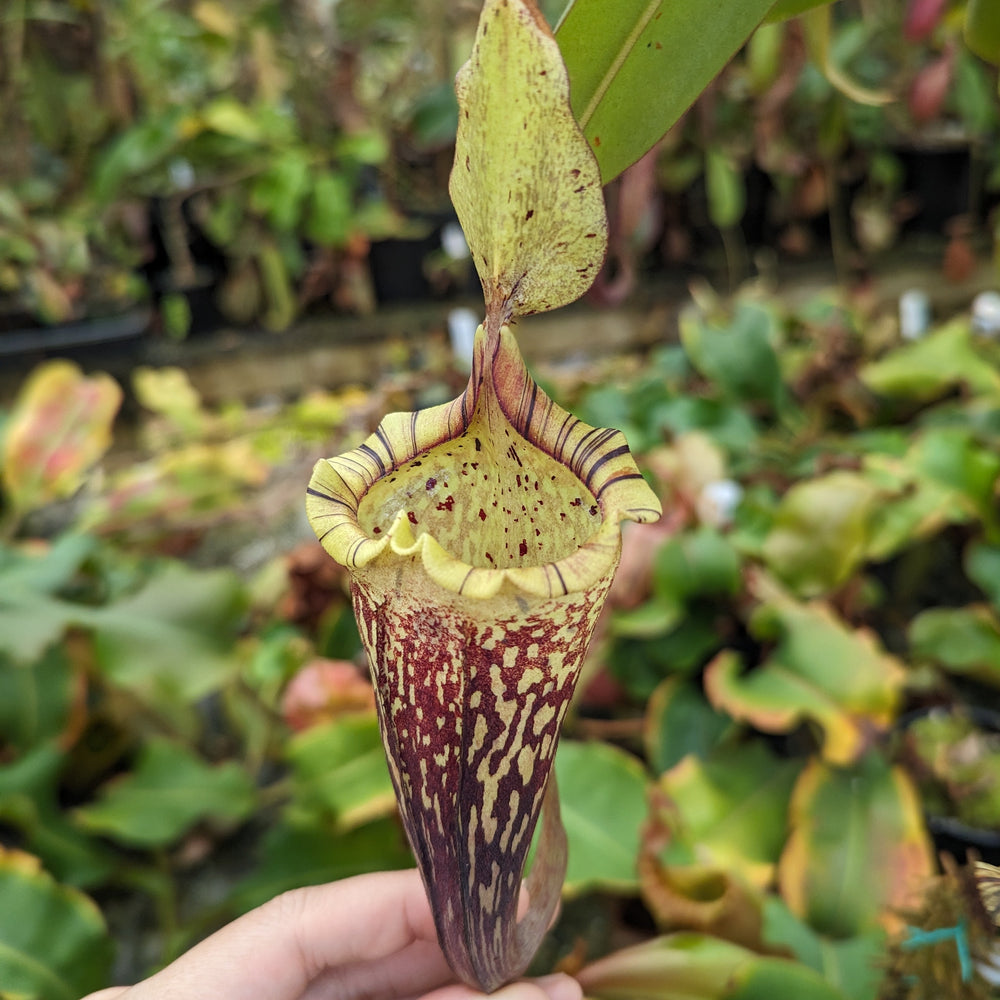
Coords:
922,17
323,690
60,426
930,88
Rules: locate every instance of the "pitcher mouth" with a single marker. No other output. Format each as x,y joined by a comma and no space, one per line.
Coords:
500,487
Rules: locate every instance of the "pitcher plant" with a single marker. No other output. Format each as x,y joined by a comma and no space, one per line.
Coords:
482,535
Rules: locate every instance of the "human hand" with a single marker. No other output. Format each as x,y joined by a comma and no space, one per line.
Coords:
370,937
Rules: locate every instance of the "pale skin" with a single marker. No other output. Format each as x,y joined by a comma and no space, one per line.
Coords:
366,938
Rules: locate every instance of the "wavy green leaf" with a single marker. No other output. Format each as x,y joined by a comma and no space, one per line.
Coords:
820,670
168,791
680,721
930,367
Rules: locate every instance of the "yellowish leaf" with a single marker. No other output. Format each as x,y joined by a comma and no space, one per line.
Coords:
525,183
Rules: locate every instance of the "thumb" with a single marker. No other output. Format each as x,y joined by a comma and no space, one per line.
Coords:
555,987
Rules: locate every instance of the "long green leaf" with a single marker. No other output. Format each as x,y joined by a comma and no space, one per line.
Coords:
635,66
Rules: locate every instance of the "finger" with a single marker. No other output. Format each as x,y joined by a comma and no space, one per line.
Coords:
275,951
416,969
412,972
111,993
555,987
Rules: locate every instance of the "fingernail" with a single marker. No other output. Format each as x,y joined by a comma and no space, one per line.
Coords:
560,987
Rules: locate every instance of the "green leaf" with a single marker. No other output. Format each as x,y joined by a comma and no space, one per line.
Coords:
641,665
602,795
763,56
954,458
778,979
652,619
228,117
982,566
725,189
635,66
820,532
974,94
35,700
435,116
53,942
367,146
29,621
963,640
982,29
172,639
679,721
524,184
340,771
30,805
168,791
851,965
673,967
278,192
136,153
858,848
914,507
739,355
298,854
328,220
729,810
820,670
696,563
277,287
784,9
930,367
175,311
728,425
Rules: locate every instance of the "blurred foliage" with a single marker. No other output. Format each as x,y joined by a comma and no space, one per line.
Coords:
233,161
743,759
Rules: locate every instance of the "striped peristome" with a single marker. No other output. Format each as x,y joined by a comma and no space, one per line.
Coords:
482,536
